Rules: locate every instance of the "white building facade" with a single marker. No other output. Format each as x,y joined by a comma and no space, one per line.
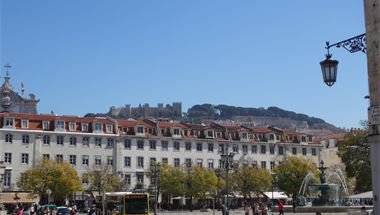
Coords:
129,146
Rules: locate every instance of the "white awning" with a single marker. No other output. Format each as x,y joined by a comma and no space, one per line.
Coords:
276,195
366,195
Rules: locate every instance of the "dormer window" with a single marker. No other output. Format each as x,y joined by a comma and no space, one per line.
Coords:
24,123
98,127
210,133
85,127
45,125
176,131
72,126
140,129
9,122
303,139
244,135
109,128
60,125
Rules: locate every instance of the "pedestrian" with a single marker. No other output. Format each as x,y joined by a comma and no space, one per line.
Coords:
280,208
294,205
246,210
224,209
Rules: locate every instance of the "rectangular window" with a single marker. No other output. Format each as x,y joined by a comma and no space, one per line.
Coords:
45,125
73,159
140,144
221,148
164,145
210,134
211,147
244,136
294,151
45,156
199,147
164,160
199,162
110,143
281,150
86,141
188,162
245,149
140,130
7,178
140,178
85,160
109,160
127,161
46,140
176,146
24,123
85,178
272,165
73,141
109,128
98,127
59,125
127,179
188,146
9,138
210,164
235,148
313,152
72,126
98,142
304,151
85,127
25,139
152,161
140,162
98,160
271,149
8,158
263,149
303,139
263,164
59,158
254,149
176,162
152,144
176,131
127,144
60,140
9,122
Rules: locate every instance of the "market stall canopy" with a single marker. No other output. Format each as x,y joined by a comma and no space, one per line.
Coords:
19,197
276,195
366,195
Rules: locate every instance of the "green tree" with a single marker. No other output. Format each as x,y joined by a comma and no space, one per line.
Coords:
291,172
171,180
59,177
249,180
101,179
355,154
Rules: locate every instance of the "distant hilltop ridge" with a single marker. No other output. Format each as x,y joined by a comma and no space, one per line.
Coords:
224,114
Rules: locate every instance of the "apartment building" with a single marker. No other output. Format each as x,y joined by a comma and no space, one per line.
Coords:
129,146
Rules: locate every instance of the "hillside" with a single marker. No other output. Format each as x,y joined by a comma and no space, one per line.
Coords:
257,117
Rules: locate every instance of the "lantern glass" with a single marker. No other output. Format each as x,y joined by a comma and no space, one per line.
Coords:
329,70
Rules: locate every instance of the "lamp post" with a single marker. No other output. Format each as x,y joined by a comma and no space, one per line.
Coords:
227,160
371,46
218,171
273,183
156,169
2,172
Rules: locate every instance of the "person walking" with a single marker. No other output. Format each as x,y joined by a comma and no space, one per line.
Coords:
280,208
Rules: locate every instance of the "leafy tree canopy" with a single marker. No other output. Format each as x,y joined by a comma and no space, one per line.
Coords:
291,172
59,177
355,154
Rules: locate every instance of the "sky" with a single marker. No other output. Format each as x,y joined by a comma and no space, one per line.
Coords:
84,56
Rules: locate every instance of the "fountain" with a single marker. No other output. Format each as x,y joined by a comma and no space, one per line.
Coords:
325,193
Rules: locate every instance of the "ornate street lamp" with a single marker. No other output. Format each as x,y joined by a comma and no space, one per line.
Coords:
330,67
156,168
227,159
